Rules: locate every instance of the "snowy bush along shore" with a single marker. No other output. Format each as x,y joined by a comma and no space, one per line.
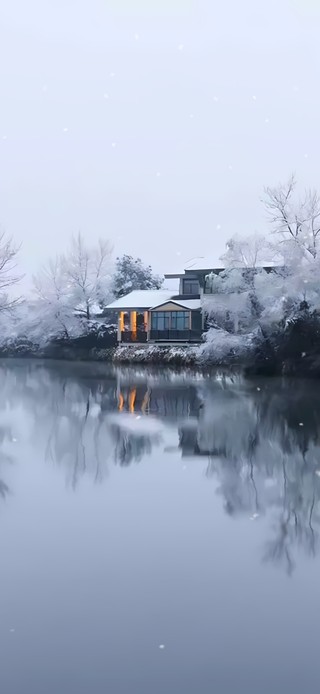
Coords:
157,354
263,310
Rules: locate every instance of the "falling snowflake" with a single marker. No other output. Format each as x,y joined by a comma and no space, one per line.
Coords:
162,646
267,120
230,167
301,424
254,97
303,354
44,88
158,174
113,144
258,388
106,96
254,516
112,74
136,37
180,47
305,156
318,473
191,115
218,227
4,137
215,98
65,130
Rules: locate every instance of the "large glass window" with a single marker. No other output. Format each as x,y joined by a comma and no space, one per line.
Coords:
160,320
170,320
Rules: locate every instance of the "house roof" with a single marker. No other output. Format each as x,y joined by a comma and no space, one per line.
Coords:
141,299
191,304
205,264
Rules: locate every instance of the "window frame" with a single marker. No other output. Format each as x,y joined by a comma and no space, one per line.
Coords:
190,281
170,320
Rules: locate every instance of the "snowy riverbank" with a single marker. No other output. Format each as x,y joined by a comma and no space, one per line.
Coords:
293,350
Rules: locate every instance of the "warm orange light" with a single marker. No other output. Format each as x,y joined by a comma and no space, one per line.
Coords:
132,399
133,321
121,321
121,402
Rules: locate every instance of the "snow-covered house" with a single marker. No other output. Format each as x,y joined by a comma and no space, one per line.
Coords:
170,316
158,315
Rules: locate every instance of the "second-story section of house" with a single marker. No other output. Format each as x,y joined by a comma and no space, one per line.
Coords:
192,281
196,279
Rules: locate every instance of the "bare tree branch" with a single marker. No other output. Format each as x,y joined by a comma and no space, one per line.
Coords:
295,219
8,272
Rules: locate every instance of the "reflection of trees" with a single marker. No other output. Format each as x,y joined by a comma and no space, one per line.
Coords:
68,407
261,441
130,447
65,405
263,445
5,458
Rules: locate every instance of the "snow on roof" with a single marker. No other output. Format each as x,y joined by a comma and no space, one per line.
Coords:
198,263
141,298
211,263
204,263
190,304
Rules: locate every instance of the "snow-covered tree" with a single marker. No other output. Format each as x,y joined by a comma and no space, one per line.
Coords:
71,288
295,224
296,221
132,274
253,251
89,275
52,314
246,295
8,272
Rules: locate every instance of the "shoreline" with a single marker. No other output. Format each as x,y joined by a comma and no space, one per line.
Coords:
258,363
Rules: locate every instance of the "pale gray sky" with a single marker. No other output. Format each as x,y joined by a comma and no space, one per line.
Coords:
155,124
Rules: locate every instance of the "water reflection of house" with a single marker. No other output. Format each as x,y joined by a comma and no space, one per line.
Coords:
190,444
178,401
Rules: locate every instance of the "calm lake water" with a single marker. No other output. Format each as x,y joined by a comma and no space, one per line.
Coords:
159,533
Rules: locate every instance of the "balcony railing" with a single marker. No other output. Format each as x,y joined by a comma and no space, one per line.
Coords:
134,336
138,336
176,335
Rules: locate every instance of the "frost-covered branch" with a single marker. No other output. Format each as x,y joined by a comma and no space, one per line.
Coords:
89,274
9,275
250,251
297,221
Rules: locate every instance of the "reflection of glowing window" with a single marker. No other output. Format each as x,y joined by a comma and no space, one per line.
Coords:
121,402
132,399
